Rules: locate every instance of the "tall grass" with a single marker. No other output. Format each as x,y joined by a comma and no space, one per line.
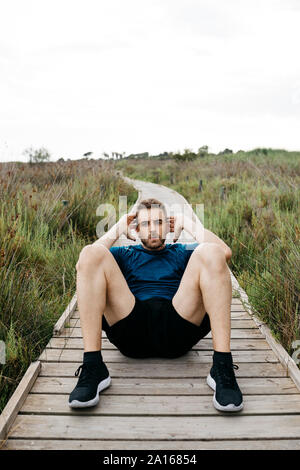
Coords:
40,240
257,216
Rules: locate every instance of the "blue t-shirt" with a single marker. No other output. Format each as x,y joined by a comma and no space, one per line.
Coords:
150,273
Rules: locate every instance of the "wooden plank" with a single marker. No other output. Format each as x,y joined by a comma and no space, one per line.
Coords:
16,401
203,344
65,444
162,427
285,359
74,355
236,300
165,369
241,333
152,405
174,386
69,311
235,323
236,312
237,307
240,315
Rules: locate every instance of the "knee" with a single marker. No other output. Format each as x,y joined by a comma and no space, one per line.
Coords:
211,255
91,255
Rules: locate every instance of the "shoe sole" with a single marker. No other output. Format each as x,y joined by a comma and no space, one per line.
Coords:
83,404
230,407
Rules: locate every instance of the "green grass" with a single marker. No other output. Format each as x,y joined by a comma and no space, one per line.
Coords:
41,239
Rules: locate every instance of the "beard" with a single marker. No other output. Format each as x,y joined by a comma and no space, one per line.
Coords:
153,244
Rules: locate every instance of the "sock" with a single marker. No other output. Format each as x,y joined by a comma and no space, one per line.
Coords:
92,356
95,358
222,356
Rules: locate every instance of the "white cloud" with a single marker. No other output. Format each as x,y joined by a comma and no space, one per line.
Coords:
148,76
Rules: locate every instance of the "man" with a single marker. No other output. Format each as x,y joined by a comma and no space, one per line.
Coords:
155,300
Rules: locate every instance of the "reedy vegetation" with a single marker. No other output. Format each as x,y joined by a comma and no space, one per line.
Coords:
40,241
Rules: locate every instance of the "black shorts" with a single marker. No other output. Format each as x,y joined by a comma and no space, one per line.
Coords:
155,329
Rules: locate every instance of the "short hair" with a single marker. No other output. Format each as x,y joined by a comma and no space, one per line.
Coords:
149,203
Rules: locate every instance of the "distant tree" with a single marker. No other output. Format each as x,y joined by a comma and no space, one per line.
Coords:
225,152
259,151
187,155
39,155
161,156
139,155
87,154
202,151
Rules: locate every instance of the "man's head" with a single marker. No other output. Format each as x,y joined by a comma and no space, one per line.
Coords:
152,223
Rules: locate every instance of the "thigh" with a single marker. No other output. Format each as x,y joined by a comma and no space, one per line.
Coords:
188,301
120,300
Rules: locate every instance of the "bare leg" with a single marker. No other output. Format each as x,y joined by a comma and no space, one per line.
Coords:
206,287
216,288
209,276
101,287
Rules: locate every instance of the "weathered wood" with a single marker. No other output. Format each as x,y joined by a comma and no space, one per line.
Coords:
65,444
198,357
203,344
174,386
166,370
162,427
236,333
234,315
64,318
237,301
239,323
16,401
132,405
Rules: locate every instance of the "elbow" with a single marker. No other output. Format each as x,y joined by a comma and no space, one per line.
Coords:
228,254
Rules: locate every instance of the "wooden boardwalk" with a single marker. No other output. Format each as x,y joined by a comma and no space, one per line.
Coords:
160,403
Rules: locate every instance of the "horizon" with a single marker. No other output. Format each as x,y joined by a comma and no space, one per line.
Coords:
153,156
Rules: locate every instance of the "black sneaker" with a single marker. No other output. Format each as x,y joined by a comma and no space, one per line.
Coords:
227,396
92,380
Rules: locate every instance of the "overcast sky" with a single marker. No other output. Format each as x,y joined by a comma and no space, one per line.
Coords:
148,75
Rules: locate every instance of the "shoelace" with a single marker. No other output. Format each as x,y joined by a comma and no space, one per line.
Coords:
86,374
225,374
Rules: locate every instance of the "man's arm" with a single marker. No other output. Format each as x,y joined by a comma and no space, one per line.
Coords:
203,235
122,226
213,238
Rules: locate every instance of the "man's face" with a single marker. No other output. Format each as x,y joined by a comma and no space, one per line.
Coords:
152,228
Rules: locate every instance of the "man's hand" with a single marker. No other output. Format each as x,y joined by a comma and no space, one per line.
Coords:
127,222
176,223
180,222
